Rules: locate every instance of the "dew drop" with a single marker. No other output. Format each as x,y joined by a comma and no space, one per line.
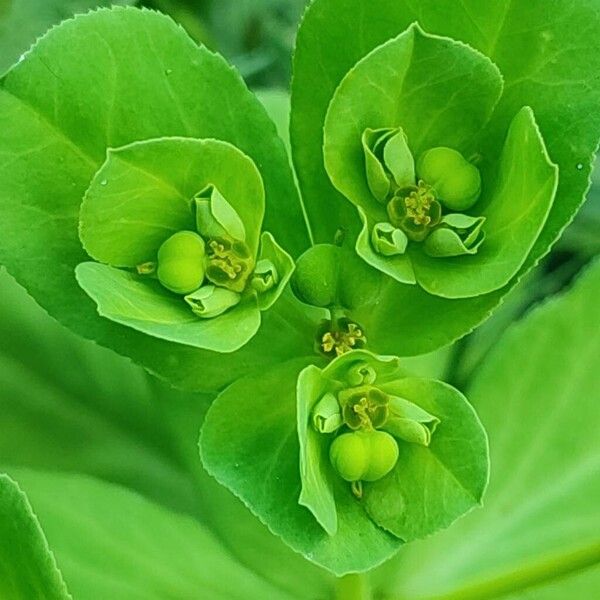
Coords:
168,71
579,166
104,182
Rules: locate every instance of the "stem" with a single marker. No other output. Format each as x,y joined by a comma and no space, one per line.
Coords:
353,587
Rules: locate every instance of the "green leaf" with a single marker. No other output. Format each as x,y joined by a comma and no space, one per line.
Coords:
249,443
143,194
127,428
545,65
431,486
110,543
516,208
147,307
22,21
99,66
540,521
438,91
27,566
407,502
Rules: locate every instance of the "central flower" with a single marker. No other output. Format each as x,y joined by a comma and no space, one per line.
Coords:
415,210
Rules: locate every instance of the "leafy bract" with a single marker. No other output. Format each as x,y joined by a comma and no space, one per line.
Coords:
148,307
546,64
340,532
99,67
249,443
442,94
109,542
453,467
452,463
27,566
540,521
143,193
439,91
146,192
518,202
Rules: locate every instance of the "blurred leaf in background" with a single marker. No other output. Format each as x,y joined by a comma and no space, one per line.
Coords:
23,21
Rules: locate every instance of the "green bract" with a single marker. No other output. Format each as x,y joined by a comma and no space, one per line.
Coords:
401,424
381,117
119,77
139,183
195,208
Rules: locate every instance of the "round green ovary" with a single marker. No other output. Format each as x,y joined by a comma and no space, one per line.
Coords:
316,276
364,455
383,456
181,262
456,181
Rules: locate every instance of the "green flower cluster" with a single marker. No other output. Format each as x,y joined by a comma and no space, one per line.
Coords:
181,255
418,198
368,419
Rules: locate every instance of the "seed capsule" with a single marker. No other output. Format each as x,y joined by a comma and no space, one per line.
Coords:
456,181
181,262
363,455
315,280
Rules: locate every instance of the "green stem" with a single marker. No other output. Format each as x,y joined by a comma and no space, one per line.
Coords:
353,587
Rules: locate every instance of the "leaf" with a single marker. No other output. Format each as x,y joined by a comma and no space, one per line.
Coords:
540,521
515,213
127,428
440,92
548,59
431,486
100,66
149,308
110,543
407,502
22,21
142,194
27,566
249,443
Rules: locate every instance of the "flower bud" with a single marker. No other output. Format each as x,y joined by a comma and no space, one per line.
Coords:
456,181
265,276
211,301
363,455
388,240
316,276
389,163
456,235
361,373
181,262
215,217
410,422
327,416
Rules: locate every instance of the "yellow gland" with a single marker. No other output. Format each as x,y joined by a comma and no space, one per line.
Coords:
181,262
456,181
363,455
